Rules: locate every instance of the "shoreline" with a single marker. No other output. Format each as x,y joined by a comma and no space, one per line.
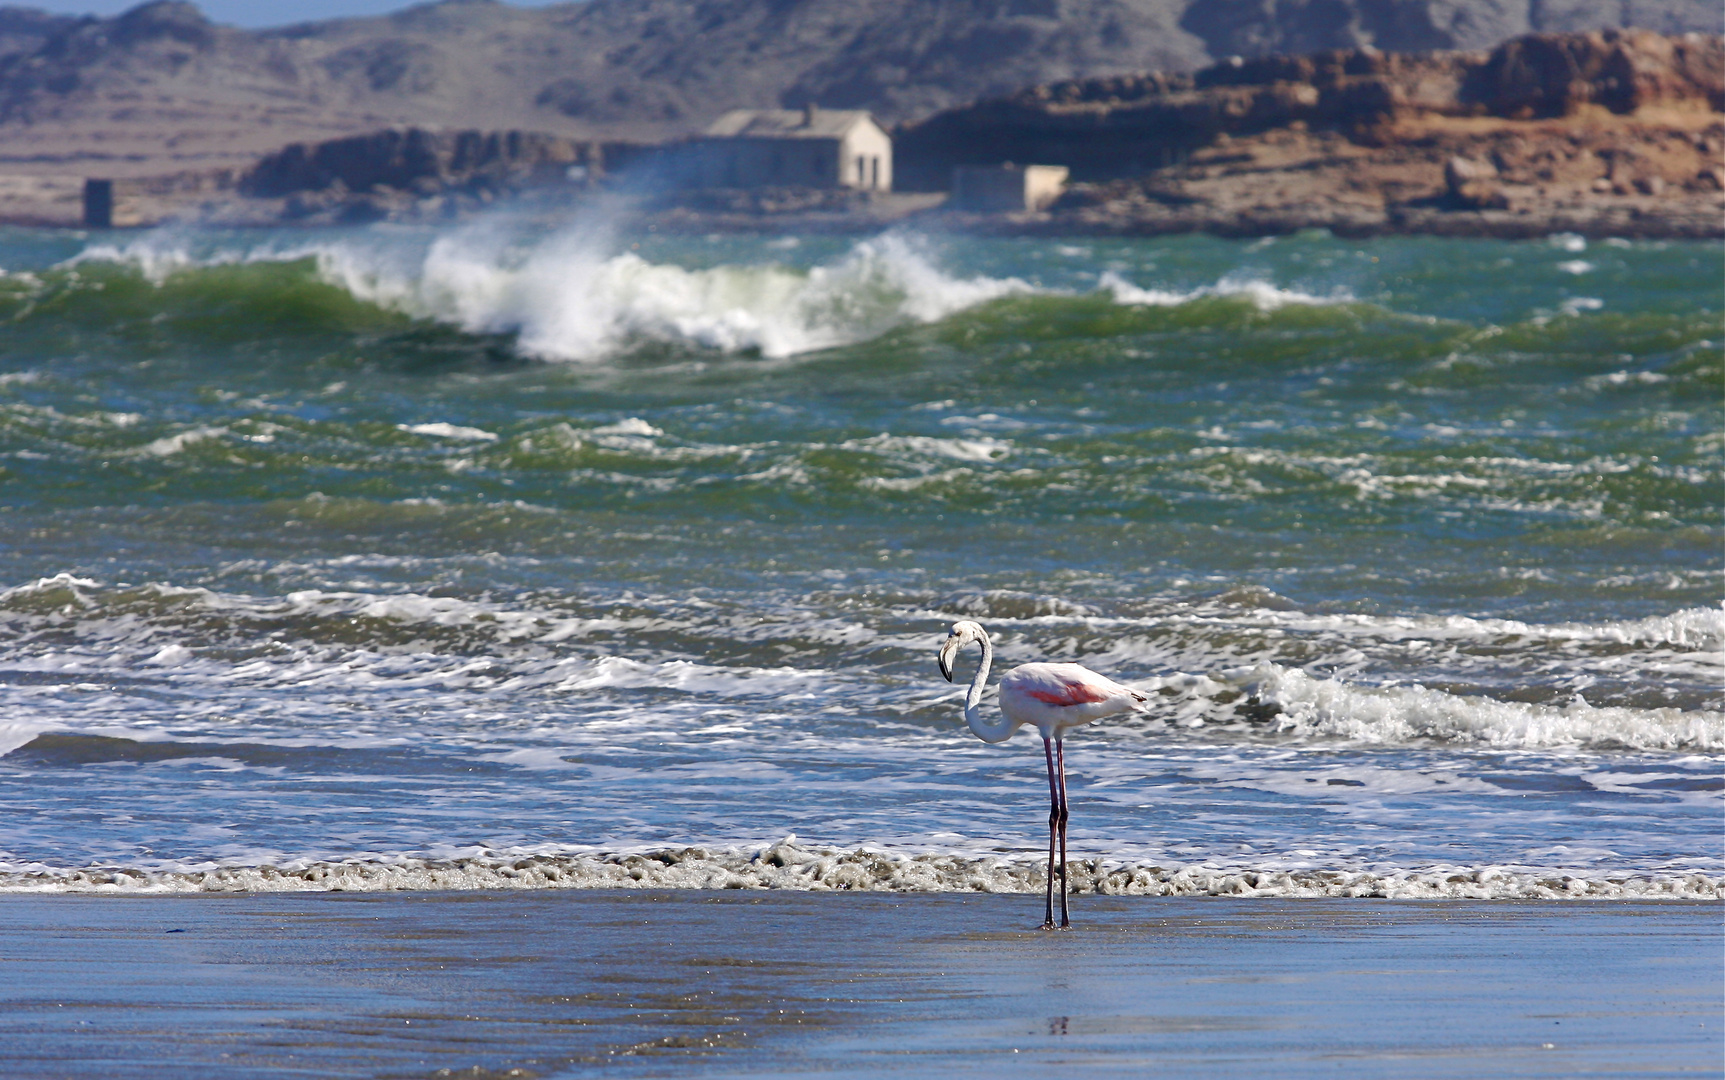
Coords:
1612,223
729,984
1704,224
790,866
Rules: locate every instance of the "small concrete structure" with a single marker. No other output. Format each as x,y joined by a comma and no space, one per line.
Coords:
812,147
98,204
1007,188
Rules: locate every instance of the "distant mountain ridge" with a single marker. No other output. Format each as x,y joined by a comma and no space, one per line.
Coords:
160,86
24,30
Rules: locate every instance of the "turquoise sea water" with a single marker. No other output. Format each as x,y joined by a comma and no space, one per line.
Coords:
496,556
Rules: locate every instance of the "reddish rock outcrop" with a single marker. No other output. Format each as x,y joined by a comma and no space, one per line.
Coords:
1545,75
1127,125
1613,133
1509,179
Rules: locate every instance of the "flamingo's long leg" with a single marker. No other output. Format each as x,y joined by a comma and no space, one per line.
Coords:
1060,771
1053,827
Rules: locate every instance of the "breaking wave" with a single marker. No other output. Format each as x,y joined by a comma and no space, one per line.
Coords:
573,298
1334,708
327,639
565,301
1697,628
792,865
570,298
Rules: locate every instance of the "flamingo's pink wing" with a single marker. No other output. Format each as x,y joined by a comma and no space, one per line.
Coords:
1076,692
1065,685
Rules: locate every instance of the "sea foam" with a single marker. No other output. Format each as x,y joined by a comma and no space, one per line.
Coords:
1263,295
790,864
1403,714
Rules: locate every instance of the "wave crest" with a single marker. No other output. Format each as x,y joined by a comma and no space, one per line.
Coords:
1262,294
1305,705
572,297
568,301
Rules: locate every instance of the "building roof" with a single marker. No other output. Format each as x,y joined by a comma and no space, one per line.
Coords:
788,123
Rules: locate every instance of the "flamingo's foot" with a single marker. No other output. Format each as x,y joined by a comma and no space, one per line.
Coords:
1049,925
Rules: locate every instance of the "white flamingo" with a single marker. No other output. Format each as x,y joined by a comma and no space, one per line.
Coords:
1050,698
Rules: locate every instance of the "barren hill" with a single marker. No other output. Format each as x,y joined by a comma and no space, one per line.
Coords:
161,89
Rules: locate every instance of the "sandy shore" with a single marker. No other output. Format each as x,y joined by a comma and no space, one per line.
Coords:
703,983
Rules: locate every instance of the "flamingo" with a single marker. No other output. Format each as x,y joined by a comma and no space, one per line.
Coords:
1050,698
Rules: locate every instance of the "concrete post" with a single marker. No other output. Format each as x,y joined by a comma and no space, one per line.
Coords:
98,204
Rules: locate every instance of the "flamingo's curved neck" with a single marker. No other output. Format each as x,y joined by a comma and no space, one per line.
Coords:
999,730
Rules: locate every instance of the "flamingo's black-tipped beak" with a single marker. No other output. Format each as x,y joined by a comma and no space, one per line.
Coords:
947,651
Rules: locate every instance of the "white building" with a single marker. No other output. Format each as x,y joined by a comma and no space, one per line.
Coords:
810,147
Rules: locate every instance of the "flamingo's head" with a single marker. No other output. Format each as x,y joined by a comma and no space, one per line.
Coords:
963,633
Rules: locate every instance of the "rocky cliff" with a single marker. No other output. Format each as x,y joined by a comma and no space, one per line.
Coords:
1606,133
411,173
1128,125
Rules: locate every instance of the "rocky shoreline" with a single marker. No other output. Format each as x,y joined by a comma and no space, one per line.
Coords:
1478,186
1090,212
1603,134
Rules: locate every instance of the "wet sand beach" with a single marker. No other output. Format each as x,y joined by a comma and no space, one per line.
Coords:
695,983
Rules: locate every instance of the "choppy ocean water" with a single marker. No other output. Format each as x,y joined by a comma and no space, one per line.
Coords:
506,557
